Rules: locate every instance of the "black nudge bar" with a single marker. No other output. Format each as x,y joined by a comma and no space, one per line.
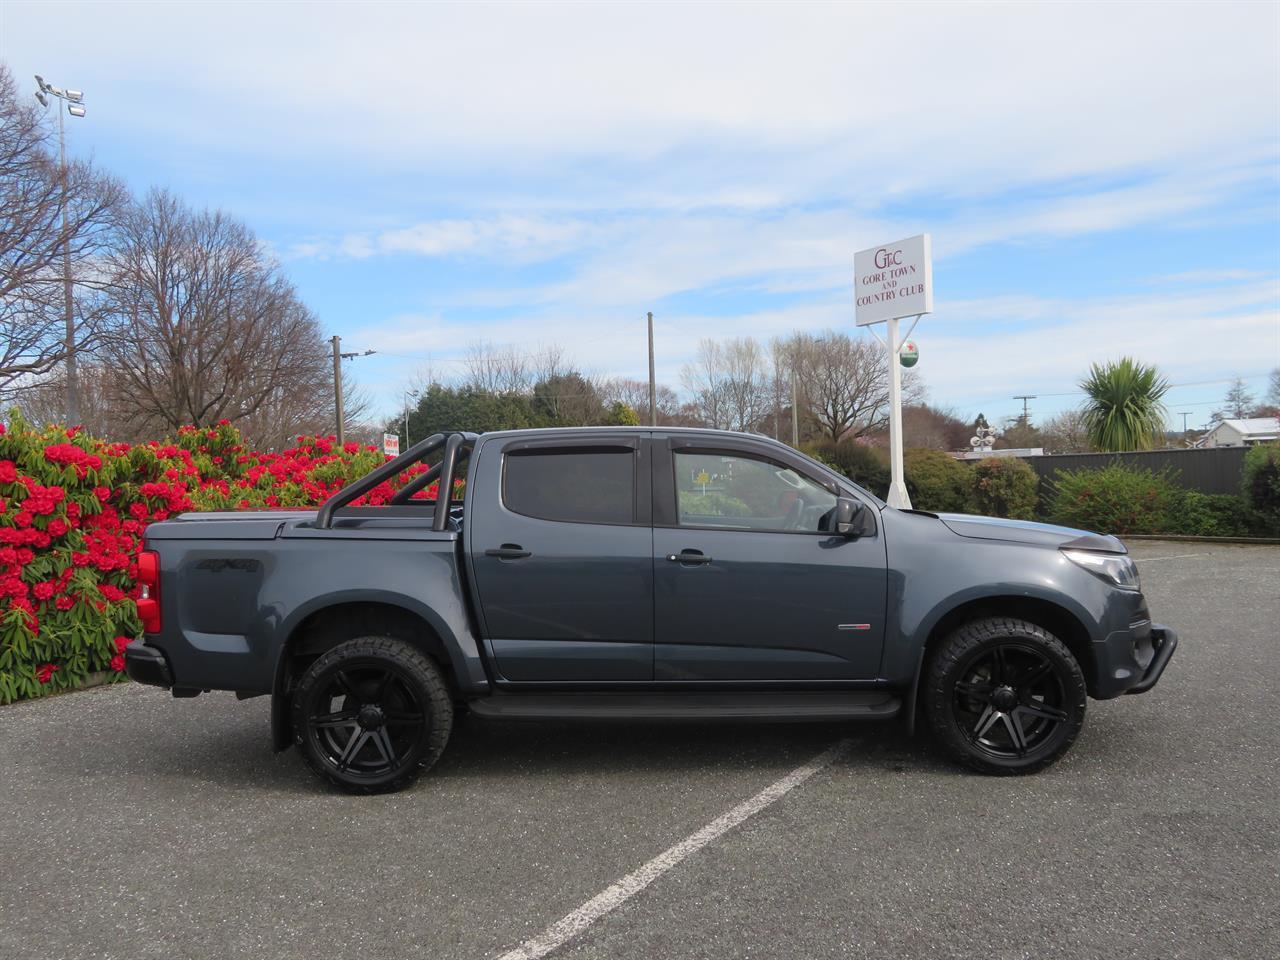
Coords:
457,445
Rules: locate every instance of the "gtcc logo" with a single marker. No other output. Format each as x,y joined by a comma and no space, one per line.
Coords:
886,257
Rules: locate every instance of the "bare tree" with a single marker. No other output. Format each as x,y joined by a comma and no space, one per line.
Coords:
1066,433
635,394
35,203
493,369
730,383
843,382
703,378
208,327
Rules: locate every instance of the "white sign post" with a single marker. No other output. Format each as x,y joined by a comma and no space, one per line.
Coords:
391,445
893,281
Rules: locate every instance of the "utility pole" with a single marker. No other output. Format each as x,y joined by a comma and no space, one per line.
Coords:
653,380
1184,414
338,357
75,107
1024,397
795,409
407,394
337,386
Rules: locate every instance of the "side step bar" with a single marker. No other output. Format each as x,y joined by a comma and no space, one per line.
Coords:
702,705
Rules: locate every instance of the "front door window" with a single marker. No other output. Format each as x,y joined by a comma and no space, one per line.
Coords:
737,492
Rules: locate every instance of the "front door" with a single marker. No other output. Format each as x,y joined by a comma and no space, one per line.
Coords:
751,581
562,556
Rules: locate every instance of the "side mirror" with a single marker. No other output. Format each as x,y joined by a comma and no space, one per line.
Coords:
849,516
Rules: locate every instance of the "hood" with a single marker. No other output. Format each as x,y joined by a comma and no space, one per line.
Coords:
1027,531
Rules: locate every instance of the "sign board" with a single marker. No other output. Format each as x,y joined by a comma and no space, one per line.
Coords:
391,444
893,280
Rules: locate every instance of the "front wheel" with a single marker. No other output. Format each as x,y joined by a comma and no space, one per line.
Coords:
371,714
1004,696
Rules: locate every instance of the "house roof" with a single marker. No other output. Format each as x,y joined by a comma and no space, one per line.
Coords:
1255,428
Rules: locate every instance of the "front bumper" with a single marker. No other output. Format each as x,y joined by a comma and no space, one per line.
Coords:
1164,640
147,664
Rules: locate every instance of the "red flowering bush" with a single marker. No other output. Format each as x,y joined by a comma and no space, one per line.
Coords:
72,513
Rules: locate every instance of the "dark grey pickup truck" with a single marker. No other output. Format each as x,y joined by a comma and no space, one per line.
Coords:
630,573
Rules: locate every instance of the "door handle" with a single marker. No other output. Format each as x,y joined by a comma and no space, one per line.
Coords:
508,551
688,557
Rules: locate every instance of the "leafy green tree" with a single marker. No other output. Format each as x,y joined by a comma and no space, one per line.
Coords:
1125,409
622,415
568,400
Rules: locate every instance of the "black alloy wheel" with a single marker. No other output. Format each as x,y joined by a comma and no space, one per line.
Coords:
371,714
1004,696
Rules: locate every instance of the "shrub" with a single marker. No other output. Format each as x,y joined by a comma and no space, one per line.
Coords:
936,481
1116,499
1261,485
864,465
713,505
72,514
1004,487
1208,515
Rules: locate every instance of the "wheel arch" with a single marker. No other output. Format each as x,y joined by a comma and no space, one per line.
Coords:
1065,624
330,621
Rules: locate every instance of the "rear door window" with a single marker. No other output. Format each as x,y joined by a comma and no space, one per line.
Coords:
572,485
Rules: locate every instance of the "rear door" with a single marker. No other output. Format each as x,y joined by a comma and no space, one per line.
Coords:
751,581
561,551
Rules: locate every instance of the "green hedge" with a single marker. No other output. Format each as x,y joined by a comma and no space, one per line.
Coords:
1116,499
866,466
937,481
1261,486
1004,487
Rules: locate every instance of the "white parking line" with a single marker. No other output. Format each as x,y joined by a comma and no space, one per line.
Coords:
1176,556
573,924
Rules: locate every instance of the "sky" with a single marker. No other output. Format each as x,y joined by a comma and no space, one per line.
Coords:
1098,179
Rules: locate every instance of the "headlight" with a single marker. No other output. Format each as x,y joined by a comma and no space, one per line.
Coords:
1116,568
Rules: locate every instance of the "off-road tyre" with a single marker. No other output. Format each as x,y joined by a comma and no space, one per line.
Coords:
371,714
1003,696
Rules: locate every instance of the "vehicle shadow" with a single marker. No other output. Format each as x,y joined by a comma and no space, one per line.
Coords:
230,747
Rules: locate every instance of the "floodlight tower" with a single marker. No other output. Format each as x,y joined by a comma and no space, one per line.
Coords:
74,100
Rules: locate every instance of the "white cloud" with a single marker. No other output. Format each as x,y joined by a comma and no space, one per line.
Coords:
786,100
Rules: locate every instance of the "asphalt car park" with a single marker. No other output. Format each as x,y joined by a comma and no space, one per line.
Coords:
136,825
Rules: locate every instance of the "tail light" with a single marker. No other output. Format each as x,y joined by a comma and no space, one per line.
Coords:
149,599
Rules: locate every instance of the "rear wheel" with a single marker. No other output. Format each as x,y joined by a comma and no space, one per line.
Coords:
1004,696
372,714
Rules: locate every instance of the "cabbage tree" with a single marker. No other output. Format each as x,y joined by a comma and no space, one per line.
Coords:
1125,409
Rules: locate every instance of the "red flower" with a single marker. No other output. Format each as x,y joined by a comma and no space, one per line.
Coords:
121,643
8,472
64,602
43,590
117,663
45,672
57,527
